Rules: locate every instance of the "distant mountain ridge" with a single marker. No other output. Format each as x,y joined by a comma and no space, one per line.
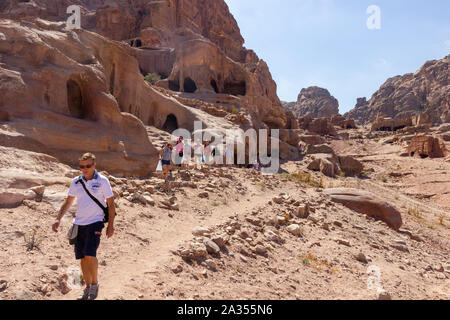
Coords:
315,102
425,91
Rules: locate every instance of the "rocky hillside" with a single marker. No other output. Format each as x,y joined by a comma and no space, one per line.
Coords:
315,102
56,83
234,233
400,97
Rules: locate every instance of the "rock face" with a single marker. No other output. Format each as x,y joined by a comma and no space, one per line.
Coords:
426,146
315,102
321,126
195,46
402,97
322,148
67,92
341,121
56,88
311,139
388,124
367,203
350,166
359,112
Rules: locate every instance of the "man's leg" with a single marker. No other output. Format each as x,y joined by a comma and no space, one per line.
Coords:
92,265
85,268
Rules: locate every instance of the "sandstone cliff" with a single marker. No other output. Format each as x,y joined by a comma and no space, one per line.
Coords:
401,97
64,92
315,102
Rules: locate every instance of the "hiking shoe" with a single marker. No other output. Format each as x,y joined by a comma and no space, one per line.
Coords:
93,291
84,295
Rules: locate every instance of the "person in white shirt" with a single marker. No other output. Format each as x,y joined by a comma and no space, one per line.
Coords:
198,154
186,161
90,219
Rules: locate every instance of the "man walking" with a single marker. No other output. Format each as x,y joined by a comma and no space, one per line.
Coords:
89,219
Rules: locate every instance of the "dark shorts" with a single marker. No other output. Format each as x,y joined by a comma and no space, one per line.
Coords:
165,162
88,240
178,161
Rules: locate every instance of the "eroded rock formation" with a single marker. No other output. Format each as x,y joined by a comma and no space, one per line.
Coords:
66,92
315,102
426,146
403,97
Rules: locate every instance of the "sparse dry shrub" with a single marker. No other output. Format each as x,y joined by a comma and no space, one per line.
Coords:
32,240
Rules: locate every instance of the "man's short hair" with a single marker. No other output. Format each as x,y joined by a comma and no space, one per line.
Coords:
87,156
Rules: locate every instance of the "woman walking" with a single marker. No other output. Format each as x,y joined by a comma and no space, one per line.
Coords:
166,159
179,149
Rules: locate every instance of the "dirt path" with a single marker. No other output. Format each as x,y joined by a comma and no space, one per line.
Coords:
152,264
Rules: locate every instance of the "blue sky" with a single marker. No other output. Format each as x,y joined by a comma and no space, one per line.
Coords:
327,42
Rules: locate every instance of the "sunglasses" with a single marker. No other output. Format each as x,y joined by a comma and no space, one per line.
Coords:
86,166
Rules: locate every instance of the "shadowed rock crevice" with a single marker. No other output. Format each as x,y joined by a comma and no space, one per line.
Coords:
171,123
214,86
75,100
235,88
189,85
174,85
112,79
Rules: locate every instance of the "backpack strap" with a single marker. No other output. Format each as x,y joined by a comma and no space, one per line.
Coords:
90,195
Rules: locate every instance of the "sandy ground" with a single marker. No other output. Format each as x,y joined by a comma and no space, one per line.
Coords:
324,261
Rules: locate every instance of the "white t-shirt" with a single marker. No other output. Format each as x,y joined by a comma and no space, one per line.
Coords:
88,211
198,150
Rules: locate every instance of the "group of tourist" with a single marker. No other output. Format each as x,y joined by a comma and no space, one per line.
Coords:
203,154
181,155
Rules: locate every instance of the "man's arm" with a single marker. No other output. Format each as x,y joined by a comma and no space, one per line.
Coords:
64,208
112,213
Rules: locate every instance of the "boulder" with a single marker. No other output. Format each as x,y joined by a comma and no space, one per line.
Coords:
10,199
327,168
211,246
312,139
220,240
322,148
367,203
294,229
198,250
201,231
350,166
326,163
302,211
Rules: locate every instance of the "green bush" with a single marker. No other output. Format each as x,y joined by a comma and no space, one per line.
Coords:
234,110
152,78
